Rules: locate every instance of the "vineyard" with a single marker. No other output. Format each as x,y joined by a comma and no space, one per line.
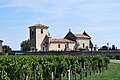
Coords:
51,67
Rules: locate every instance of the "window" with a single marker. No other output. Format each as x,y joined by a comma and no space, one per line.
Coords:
41,31
32,33
43,48
33,49
83,45
58,45
65,45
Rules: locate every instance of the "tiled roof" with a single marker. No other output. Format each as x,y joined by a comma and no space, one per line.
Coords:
39,25
82,36
59,40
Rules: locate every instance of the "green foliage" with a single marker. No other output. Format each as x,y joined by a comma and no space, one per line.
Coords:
16,67
25,45
117,56
113,73
6,49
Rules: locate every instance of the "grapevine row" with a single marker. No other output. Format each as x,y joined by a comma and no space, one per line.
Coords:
50,67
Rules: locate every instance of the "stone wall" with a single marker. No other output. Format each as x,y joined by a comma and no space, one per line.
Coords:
79,53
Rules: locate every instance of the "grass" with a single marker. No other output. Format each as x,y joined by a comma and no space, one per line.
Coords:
113,73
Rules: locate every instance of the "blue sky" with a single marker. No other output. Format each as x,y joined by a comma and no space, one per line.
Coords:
99,18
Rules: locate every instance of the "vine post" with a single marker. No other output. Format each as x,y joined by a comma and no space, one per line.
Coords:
68,74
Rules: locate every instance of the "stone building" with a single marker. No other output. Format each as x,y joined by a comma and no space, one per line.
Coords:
1,46
82,41
61,44
39,38
41,41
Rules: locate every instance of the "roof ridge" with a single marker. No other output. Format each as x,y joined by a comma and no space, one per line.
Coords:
59,40
39,25
82,36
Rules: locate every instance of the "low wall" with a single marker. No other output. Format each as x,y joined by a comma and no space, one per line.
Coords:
81,53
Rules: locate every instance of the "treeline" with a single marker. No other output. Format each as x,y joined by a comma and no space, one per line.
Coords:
117,57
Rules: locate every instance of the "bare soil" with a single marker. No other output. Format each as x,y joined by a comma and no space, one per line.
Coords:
115,61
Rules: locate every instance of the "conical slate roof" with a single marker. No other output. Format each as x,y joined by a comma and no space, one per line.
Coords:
86,34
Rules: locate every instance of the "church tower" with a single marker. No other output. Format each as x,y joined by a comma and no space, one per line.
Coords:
39,37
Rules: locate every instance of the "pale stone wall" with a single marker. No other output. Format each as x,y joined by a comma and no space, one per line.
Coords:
45,44
54,46
40,38
82,43
63,46
71,46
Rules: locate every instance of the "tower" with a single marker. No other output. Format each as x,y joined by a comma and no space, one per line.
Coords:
39,37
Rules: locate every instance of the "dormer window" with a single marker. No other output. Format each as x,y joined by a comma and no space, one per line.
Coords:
41,31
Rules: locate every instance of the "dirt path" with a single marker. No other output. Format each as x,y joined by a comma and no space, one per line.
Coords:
115,61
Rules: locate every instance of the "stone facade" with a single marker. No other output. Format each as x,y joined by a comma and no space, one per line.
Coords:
82,41
39,37
40,40
61,45
1,46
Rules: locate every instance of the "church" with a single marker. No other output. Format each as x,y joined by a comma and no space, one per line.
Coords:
40,40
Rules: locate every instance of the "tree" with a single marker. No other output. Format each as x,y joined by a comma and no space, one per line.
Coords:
6,49
25,45
104,48
113,47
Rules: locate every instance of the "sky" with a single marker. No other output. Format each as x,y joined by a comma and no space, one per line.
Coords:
99,18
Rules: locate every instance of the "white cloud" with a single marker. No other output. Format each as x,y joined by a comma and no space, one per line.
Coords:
95,11
8,5
84,8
